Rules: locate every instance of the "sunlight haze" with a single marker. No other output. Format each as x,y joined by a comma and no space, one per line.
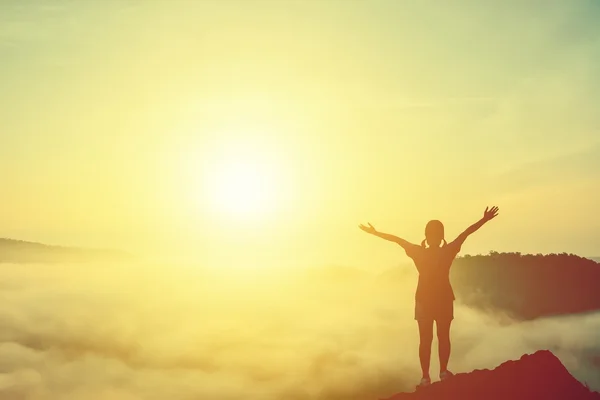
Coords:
263,132
194,174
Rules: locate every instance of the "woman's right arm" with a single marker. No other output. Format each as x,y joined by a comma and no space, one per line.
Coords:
406,245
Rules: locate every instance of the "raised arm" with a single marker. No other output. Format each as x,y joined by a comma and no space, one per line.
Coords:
406,245
488,215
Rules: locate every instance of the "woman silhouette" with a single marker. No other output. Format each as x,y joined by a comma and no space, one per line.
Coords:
434,299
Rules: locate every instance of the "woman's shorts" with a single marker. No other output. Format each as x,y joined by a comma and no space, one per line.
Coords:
438,312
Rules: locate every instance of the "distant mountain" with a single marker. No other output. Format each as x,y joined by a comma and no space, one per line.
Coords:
19,251
528,286
524,286
537,376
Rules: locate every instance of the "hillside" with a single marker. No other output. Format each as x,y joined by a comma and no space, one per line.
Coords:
528,286
18,251
537,376
525,287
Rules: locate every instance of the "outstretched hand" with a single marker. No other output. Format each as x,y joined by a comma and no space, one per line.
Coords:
491,213
368,229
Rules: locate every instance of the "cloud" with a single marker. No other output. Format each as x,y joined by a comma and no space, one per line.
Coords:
141,332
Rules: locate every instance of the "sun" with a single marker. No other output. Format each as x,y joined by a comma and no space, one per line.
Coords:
241,174
242,180
242,188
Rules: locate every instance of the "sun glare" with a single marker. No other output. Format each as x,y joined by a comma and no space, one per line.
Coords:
242,188
239,173
242,180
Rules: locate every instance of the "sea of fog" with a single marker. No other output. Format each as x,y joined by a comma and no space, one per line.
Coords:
127,332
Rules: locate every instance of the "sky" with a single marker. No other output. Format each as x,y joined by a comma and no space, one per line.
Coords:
141,125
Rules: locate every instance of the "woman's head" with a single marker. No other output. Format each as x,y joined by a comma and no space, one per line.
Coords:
434,234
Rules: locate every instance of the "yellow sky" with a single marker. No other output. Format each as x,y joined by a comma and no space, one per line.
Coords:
117,116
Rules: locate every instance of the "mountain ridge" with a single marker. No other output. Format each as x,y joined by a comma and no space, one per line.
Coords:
21,251
540,375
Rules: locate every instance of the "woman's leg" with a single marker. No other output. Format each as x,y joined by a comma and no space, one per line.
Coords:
426,337
443,334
